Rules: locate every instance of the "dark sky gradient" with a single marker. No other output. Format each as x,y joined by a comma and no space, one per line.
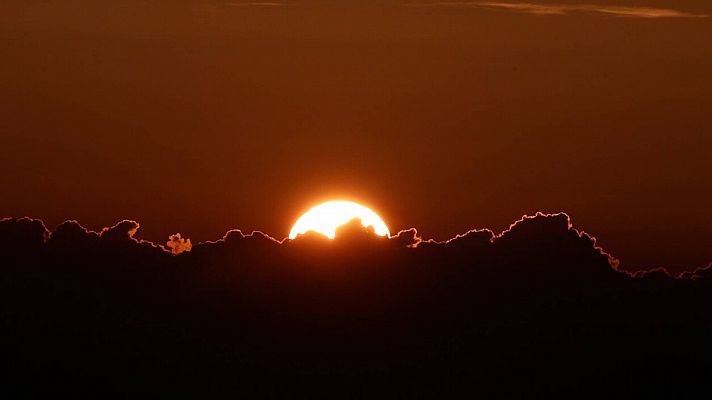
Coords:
198,117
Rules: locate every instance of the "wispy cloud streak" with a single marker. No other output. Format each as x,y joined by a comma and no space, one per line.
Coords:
254,4
563,9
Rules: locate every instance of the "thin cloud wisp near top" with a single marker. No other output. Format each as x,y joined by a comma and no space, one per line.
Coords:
564,9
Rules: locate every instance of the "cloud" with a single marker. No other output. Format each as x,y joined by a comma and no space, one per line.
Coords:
23,234
407,238
564,9
105,311
178,244
253,4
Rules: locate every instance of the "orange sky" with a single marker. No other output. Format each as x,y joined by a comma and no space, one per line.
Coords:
203,116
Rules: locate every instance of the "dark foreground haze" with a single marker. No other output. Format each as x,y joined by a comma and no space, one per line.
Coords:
536,310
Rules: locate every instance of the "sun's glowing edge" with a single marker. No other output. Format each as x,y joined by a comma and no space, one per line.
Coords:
325,218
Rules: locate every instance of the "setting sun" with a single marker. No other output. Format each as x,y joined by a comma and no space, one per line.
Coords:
326,217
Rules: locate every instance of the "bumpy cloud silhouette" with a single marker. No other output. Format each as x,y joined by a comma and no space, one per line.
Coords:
536,310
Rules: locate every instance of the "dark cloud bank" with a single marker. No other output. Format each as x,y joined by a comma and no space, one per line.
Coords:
537,310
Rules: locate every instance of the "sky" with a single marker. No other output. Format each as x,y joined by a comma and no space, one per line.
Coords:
199,117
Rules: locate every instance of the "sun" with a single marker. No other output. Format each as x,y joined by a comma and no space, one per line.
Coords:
326,217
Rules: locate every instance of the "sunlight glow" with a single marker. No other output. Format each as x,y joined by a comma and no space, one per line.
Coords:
326,217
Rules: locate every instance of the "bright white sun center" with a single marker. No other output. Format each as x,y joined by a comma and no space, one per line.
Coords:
326,217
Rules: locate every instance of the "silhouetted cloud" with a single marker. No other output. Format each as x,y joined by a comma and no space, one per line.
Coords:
406,238
563,9
124,230
698,274
19,235
482,313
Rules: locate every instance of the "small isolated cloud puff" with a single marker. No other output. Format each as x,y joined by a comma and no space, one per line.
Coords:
564,9
178,244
